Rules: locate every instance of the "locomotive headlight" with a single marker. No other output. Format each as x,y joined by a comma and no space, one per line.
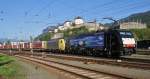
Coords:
124,45
129,45
134,45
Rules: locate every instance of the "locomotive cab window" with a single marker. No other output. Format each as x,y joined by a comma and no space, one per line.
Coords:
126,34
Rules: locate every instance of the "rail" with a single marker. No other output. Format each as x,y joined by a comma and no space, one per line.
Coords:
82,72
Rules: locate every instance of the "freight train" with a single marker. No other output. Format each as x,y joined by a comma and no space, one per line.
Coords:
112,43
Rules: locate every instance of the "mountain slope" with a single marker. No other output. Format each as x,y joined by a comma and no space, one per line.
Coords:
144,17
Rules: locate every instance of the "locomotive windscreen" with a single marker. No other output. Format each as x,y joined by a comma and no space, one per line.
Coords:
126,34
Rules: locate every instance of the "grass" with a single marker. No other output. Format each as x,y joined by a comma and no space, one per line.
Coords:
10,70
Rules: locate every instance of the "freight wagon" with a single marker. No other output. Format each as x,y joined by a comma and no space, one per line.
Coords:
38,45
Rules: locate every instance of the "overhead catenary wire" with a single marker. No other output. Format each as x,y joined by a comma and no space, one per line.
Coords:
105,12
26,13
41,10
141,5
105,5
97,6
46,6
83,11
30,10
127,8
1,15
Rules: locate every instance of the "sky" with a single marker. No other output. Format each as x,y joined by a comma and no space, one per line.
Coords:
20,19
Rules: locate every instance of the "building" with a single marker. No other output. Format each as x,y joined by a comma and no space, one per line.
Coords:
61,27
91,26
67,25
57,35
132,25
78,22
55,30
50,29
102,26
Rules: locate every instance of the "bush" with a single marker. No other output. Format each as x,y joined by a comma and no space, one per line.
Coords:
67,33
141,34
44,37
75,31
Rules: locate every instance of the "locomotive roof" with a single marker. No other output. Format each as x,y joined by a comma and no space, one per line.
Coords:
82,35
100,31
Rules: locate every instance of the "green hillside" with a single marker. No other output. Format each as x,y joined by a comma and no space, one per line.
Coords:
141,34
44,37
67,33
74,32
143,17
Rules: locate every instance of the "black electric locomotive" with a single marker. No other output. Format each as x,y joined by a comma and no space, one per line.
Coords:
112,43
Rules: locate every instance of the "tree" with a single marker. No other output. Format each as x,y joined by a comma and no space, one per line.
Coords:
8,42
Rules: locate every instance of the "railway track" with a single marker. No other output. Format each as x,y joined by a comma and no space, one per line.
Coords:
143,50
125,62
82,72
136,60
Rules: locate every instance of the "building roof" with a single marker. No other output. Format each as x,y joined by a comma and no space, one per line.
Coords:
78,17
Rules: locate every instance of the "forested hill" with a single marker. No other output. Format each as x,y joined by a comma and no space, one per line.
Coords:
143,17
